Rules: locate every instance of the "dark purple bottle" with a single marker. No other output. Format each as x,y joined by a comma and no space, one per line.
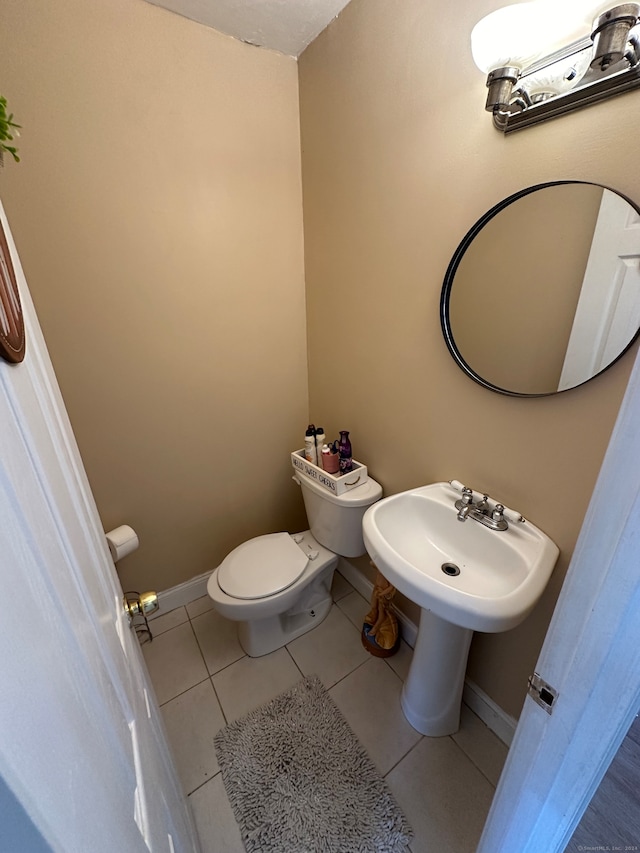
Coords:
344,448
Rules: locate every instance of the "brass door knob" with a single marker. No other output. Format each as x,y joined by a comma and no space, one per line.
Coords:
140,604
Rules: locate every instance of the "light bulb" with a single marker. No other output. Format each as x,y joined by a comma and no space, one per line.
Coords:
510,36
569,21
587,10
517,35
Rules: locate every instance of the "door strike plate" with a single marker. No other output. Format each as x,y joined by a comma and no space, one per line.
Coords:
542,693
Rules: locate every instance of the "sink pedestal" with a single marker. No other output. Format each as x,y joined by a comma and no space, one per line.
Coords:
432,693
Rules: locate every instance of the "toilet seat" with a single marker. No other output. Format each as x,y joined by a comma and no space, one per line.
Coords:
261,567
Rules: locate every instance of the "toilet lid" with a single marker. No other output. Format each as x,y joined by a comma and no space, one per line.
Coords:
262,566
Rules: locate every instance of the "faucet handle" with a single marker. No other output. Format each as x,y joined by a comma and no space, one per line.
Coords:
467,496
498,513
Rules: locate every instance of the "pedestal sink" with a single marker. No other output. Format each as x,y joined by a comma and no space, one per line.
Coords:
465,576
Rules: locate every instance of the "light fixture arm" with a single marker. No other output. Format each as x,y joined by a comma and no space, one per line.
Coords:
611,33
611,57
500,83
584,95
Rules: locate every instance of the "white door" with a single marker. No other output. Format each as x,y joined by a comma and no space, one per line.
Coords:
591,657
84,764
608,310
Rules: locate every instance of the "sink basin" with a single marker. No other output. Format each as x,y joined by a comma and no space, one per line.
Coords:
465,576
411,535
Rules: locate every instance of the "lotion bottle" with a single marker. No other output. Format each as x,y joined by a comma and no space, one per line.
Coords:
310,452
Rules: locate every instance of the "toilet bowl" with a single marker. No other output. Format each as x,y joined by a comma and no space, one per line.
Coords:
277,587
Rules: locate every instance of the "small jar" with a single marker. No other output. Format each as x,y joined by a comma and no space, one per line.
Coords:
330,460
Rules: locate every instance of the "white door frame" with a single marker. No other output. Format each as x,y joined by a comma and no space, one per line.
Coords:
591,655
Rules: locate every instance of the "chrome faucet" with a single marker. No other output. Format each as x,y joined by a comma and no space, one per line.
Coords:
481,511
465,505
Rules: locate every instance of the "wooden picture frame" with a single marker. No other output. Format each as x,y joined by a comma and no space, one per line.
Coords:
12,337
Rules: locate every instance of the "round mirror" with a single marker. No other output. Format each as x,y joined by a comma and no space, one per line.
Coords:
543,293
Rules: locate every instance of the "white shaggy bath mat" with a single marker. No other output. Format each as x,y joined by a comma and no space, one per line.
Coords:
299,781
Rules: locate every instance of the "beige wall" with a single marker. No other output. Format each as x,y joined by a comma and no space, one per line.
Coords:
399,160
158,214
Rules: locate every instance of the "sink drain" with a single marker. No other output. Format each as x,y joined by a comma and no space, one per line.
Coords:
450,569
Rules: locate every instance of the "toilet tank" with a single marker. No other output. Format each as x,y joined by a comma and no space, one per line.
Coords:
336,520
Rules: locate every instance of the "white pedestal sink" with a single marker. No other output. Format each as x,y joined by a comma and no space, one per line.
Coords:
465,576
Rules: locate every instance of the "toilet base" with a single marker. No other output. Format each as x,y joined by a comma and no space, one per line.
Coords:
261,636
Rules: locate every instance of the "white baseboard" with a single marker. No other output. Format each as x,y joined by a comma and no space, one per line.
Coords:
501,724
181,595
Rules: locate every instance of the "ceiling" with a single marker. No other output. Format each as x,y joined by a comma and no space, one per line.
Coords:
287,26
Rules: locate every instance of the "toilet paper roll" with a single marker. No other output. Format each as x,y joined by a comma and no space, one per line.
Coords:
122,541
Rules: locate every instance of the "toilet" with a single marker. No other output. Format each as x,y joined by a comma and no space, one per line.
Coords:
278,586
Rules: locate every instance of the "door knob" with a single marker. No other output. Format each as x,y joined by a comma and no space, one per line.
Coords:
140,604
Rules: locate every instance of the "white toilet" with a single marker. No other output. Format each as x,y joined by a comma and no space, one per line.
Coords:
278,586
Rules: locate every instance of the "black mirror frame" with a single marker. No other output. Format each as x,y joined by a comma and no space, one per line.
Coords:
455,262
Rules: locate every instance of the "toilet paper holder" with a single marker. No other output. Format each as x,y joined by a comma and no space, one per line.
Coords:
122,541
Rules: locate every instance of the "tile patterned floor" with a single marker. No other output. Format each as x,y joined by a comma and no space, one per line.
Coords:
203,680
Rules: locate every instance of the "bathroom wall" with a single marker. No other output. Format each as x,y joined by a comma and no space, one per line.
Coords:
158,214
399,160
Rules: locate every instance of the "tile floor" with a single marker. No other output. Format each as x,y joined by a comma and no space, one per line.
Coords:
203,679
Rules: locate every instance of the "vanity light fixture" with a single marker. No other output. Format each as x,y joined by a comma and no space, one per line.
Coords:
544,58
